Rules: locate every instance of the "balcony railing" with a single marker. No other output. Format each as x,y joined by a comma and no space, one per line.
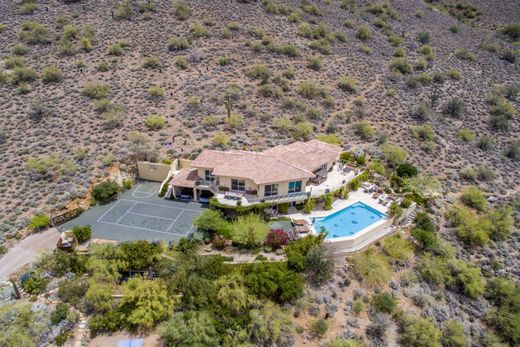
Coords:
280,198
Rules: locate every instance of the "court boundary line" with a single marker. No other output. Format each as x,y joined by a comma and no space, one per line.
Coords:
167,231
134,227
144,194
160,205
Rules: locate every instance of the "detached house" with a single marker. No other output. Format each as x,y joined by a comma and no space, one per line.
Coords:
285,173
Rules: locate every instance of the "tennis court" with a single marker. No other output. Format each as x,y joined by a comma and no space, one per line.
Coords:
139,214
150,217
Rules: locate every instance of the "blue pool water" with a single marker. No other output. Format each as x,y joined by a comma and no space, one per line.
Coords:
348,221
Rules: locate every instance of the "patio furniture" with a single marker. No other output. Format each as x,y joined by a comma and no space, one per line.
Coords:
233,195
299,222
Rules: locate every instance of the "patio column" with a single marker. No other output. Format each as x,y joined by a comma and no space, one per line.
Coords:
195,190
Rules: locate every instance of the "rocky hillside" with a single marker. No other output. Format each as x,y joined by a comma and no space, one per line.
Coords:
86,84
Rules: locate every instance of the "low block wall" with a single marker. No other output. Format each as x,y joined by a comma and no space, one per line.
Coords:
363,240
153,171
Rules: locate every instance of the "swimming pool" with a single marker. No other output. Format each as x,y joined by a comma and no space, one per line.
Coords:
348,221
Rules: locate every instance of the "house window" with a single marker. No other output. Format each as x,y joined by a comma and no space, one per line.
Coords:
238,184
271,190
209,176
295,186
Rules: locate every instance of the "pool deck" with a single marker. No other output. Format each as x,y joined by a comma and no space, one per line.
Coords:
366,236
339,204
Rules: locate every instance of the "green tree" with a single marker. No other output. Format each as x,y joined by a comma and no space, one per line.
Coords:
82,233
104,191
232,294
250,230
397,247
212,222
148,302
18,326
270,325
319,264
319,327
190,329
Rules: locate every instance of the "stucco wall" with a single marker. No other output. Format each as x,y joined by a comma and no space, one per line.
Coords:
183,163
225,181
283,188
153,171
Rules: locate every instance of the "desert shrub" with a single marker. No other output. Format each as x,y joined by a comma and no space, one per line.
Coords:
469,174
198,31
181,62
60,313
466,134
464,54
105,191
421,112
52,74
95,90
113,117
364,130
419,332
21,74
406,170
502,223
35,33
454,107
400,65
50,165
423,133
212,222
302,130
509,55
453,74
249,231
372,267
314,62
259,71
124,10
511,31
310,90
82,233
364,33
384,302
344,343
423,37
155,121
221,139
485,143
468,278
427,51
309,205
33,283
453,335
329,138
14,61
394,155
473,197
151,62
513,150
156,92
116,49
210,121
224,60
397,247
39,221
178,44
319,327
348,84
276,238
182,10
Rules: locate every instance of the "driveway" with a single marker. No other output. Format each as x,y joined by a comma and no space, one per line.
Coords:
27,251
140,214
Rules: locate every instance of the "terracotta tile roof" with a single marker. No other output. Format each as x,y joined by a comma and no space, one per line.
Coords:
306,155
185,178
282,163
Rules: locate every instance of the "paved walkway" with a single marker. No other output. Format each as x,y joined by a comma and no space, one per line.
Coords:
27,251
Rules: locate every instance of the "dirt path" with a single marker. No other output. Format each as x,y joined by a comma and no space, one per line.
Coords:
27,251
